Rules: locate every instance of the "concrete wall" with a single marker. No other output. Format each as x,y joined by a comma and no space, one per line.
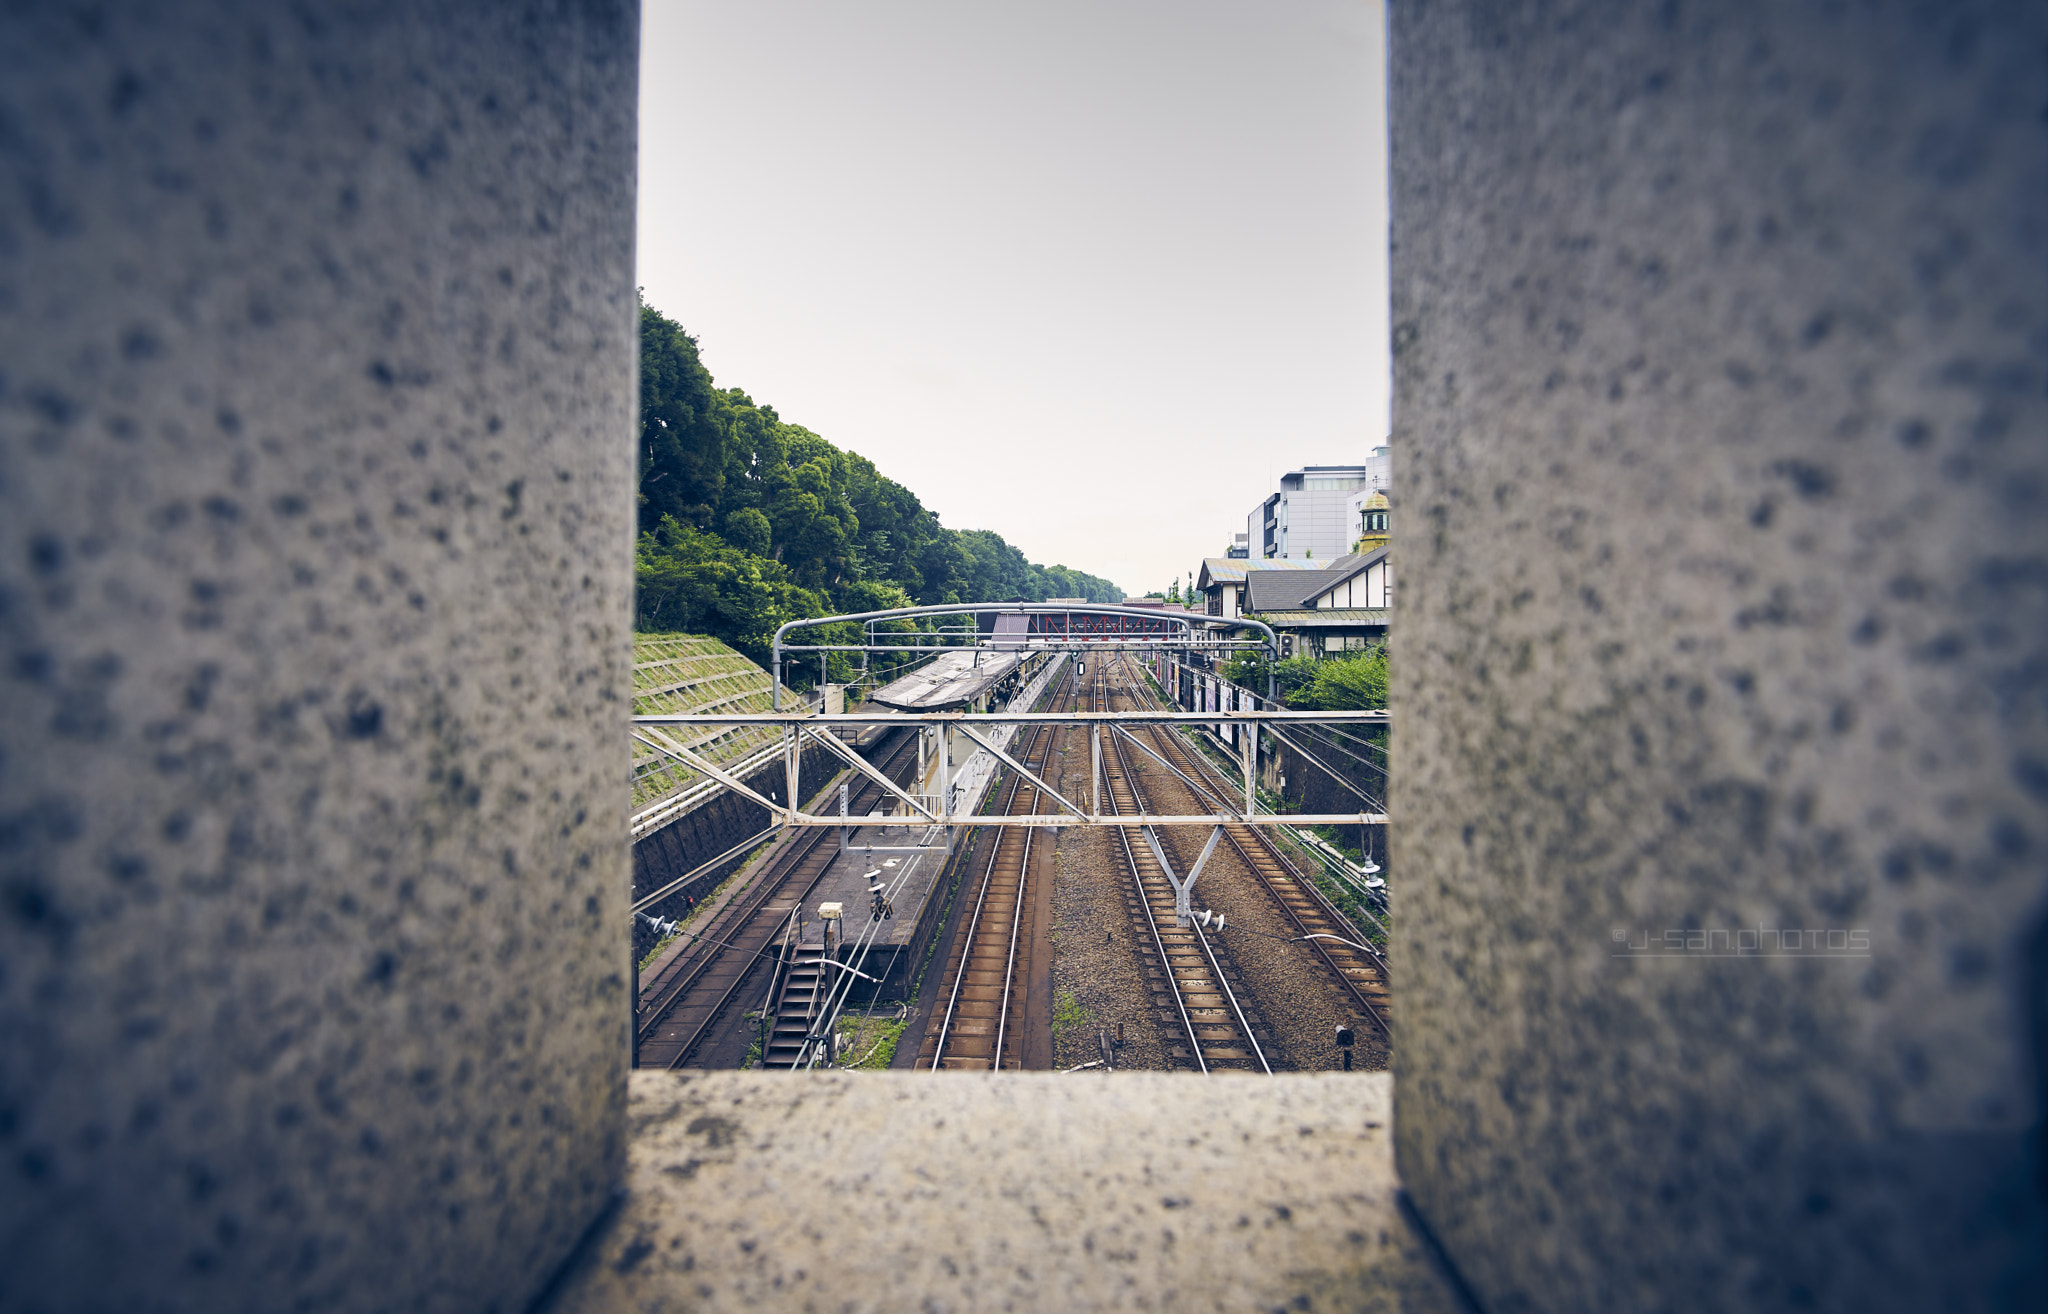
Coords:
316,391
1722,342
1143,1191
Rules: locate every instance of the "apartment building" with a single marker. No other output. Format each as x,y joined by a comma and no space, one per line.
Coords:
1314,515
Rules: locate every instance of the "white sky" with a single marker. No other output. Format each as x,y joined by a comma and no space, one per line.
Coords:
1089,273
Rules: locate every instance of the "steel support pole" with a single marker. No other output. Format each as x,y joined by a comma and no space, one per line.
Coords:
923,757
1094,772
790,742
1183,890
1248,751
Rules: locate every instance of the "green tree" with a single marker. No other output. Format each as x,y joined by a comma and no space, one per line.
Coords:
1350,682
748,530
683,427
1290,677
699,583
747,520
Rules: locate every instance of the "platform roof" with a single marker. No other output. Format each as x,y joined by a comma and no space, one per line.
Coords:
953,679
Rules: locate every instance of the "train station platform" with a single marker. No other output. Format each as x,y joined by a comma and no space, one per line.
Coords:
893,948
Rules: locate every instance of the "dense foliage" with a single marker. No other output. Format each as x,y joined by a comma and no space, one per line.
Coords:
747,521
1345,681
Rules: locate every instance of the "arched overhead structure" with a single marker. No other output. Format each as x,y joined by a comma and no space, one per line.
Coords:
1140,627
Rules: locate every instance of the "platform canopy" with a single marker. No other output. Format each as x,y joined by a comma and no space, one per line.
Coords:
952,680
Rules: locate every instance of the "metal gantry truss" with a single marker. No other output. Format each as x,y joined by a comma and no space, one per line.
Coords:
1055,630
799,728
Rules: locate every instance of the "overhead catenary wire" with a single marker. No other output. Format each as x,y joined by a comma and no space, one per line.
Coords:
696,936
1320,765
1258,697
648,901
1322,861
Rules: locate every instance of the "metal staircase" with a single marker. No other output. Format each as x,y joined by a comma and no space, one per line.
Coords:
798,1009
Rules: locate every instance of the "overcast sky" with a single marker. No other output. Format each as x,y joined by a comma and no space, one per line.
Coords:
1087,274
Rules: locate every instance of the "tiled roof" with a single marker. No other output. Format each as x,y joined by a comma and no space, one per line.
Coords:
1269,590
1327,618
1279,592
1231,570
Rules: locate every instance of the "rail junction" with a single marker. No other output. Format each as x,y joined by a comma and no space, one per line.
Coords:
920,869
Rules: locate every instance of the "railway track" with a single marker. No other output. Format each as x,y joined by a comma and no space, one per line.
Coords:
702,985
1199,995
981,1027
1362,975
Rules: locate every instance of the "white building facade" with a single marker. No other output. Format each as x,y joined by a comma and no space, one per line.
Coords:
1312,517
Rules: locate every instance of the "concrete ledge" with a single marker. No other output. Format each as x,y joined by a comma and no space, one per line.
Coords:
1013,1191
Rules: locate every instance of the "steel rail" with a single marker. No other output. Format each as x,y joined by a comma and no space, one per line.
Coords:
1057,820
1018,785
1010,965
1202,940
1302,883
1145,900
995,851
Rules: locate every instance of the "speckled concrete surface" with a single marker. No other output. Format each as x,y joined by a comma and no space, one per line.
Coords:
1018,1191
316,404
1721,353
